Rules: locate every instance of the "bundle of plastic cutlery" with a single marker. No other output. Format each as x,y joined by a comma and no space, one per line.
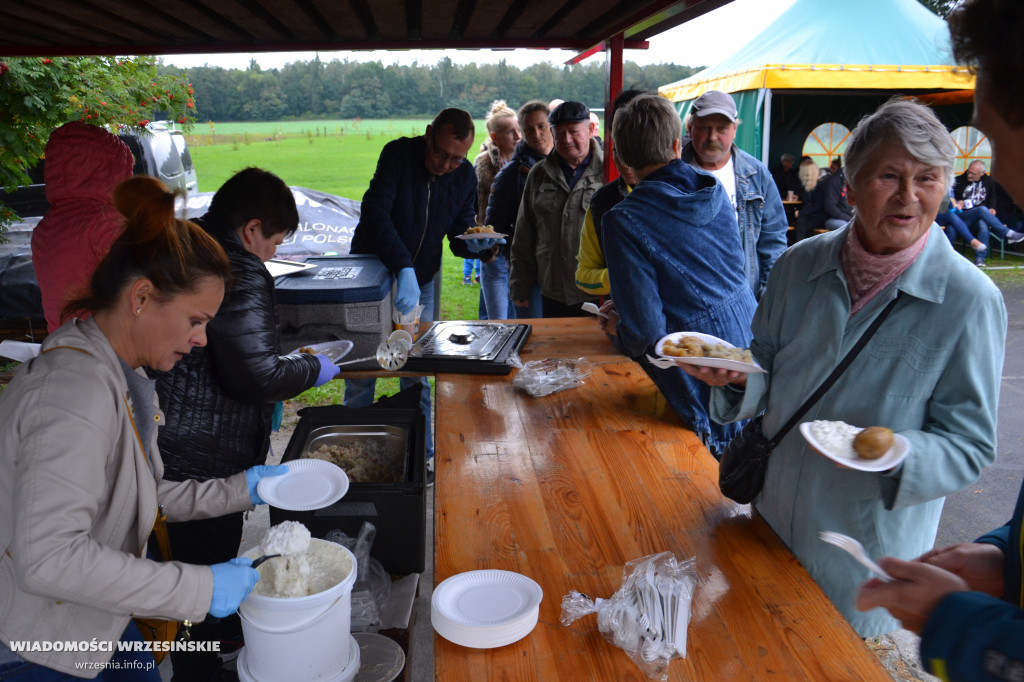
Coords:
649,614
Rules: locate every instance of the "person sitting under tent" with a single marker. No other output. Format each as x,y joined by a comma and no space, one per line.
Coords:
975,199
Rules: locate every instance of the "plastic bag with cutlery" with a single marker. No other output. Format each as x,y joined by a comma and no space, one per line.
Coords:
649,614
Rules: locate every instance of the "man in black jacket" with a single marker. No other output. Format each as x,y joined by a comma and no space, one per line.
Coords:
837,209
424,189
219,399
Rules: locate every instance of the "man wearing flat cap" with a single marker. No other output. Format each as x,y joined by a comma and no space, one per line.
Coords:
555,202
760,216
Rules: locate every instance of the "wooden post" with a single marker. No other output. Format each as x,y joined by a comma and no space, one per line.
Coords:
612,87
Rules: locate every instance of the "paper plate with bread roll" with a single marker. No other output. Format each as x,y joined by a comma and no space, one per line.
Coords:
705,350
874,448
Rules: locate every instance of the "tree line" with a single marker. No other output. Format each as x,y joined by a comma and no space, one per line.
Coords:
346,89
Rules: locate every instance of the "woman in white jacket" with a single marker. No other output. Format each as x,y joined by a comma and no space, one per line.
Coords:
80,475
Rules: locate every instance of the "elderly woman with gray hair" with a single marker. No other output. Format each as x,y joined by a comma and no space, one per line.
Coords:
930,372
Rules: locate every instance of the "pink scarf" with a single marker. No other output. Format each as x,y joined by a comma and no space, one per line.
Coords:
867,273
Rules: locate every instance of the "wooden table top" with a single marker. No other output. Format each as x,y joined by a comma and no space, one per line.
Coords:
567,488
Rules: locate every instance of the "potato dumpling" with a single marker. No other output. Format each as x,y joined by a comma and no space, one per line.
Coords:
873,442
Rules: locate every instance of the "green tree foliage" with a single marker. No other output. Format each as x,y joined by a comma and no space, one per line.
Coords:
40,94
348,89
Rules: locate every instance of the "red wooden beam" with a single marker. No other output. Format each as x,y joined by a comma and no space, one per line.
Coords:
603,46
612,88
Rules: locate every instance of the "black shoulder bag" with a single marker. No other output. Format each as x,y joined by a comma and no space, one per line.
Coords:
745,459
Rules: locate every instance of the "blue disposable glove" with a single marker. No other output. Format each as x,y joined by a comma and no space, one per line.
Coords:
408,290
232,583
478,245
328,370
254,474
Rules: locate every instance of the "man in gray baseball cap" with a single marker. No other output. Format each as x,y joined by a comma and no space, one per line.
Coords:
715,102
711,124
551,214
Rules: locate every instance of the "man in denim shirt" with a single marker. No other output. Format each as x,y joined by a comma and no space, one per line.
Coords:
674,259
711,125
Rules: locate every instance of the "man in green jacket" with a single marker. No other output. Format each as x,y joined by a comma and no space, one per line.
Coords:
550,219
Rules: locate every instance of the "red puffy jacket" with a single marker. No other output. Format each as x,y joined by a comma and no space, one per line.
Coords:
83,165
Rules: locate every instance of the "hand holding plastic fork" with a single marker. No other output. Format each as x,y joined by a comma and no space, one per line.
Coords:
856,550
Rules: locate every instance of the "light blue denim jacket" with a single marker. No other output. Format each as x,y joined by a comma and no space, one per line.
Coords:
759,213
931,373
675,264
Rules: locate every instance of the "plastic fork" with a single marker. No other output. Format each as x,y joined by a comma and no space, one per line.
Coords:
592,308
856,550
661,363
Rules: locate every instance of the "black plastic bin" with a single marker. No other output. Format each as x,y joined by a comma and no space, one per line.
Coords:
398,510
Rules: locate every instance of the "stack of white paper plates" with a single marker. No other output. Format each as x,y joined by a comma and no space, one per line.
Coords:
485,609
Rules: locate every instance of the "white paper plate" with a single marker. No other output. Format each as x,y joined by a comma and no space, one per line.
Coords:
486,598
481,235
309,484
278,267
722,363
896,454
335,350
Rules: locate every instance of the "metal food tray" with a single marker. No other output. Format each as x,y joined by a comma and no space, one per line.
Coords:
471,347
466,340
394,440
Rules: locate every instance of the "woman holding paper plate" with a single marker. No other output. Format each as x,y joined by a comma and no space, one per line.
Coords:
219,399
930,372
81,477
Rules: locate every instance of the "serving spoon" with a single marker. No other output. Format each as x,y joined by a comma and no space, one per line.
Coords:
260,560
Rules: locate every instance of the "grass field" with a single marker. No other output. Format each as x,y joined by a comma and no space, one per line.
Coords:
338,164
390,128
340,161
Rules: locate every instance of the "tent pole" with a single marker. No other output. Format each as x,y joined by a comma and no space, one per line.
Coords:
612,88
766,129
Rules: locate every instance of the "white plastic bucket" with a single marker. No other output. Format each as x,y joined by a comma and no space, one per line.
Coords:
346,675
300,638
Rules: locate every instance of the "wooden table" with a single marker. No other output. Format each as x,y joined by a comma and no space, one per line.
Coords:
567,488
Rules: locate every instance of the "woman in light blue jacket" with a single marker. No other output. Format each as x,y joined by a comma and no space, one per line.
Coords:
930,373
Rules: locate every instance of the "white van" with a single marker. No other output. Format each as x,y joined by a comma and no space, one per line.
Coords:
164,155
191,184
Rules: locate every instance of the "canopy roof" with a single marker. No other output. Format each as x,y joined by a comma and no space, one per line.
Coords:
846,45
116,27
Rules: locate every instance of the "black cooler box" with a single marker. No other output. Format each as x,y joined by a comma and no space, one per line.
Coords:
345,297
397,509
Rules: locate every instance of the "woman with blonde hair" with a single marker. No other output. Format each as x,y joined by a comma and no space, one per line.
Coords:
811,215
809,173
81,478
496,151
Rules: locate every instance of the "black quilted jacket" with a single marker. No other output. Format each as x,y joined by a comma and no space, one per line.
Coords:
219,399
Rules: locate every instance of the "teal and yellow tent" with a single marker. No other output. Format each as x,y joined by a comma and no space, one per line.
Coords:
823,64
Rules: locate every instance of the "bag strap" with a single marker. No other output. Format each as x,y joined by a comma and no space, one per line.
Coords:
840,368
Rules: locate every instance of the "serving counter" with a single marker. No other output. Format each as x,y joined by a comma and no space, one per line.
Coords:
567,488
